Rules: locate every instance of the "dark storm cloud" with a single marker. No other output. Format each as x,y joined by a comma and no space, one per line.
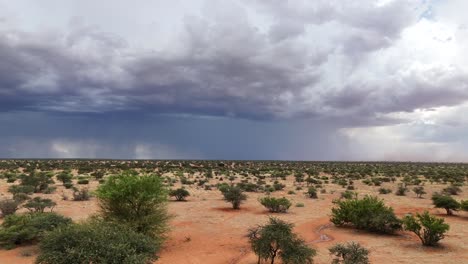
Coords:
229,67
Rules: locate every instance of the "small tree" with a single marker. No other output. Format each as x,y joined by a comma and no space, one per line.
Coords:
312,192
276,205
452,190
8,206
39,180
38,204
464,205
428,228
446,202
401,191
179,194
349,253
419,191
138,201
64,177
277,239
234,195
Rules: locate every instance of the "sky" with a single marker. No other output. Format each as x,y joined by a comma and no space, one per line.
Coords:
234,79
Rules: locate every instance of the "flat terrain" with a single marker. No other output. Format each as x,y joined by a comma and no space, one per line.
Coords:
206,230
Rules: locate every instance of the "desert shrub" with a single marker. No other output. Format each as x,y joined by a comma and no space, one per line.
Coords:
81,194
276,239
276,205
138,201
419,191
384,191
452,190
464,205
39,180
8,206
25,228
278,186
368,213
429,229
349,253
38,204
300,205
64,177
97,242
291,192
179,194
49,190
83,181
68,185
401,190
349,195
446,202
15,189
21,197
234,195
312,193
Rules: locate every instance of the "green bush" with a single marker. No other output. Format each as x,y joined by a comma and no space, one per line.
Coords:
446,202
97,242
277,239
38,204
138,201
312,193
349,253
452,190
419,191
276,205
179,194
368,213
38,180
16,189
428,228
384,191
8,206
81,194
83,181
464,205
24,228
234,195
68,185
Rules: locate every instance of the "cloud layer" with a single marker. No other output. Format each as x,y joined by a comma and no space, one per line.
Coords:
334,67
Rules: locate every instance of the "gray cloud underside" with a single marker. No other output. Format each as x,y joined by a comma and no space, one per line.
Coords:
309,61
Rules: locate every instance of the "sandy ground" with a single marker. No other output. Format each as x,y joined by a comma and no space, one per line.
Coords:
205,229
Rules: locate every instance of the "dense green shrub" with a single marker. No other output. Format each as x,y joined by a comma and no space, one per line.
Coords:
68,185
368,213
349,253
83,181
19,229
179,194
234,195
429,229
276,205
97,242
139,201
446,202
276,239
